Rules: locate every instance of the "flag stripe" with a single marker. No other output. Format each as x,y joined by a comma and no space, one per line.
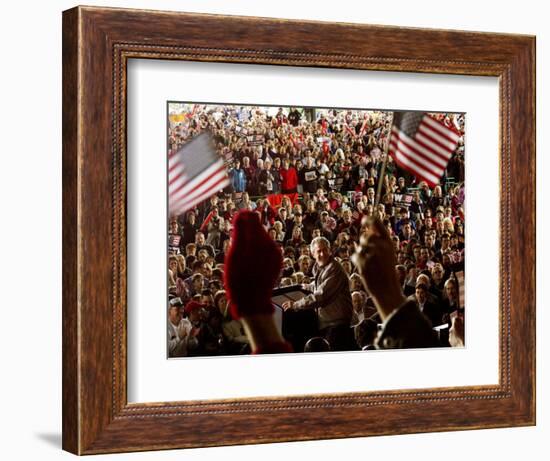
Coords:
177,182
424,145
192,199
413,166
418,175
198,181
173,165
417,159
441,144
421,140
209,190
443,130
188,193
424,151
177,174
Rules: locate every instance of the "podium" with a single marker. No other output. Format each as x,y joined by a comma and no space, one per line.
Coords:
295,326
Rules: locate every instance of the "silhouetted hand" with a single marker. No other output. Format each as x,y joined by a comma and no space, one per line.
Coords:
375,259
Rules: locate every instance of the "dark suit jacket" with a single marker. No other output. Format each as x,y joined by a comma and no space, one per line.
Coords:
406,327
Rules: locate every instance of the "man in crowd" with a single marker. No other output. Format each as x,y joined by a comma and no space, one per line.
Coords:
330,297
180,337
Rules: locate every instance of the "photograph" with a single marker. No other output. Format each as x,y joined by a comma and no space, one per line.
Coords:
264,230
313,229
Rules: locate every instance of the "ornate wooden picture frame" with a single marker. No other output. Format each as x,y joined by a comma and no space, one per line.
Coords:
97,44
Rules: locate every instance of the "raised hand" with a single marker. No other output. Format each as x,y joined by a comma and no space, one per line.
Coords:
375,259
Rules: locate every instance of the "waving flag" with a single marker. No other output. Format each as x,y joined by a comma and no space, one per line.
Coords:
422,145
195,173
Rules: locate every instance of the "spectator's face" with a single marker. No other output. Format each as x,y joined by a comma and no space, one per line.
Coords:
421,295
195,315
173,227
451,291
355,284
173,266
437,273
357,301
347,266
198,285
321,254
207,299
174,315
182,263
396,245
222,304
424,254
304,265
430,240
200,238
206,270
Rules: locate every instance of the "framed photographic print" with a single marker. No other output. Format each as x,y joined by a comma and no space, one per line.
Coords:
272,235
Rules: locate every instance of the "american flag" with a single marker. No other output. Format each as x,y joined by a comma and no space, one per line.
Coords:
422,145
195,172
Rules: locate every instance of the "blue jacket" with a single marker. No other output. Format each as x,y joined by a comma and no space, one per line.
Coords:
238,179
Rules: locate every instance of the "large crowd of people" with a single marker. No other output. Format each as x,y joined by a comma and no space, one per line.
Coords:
311,176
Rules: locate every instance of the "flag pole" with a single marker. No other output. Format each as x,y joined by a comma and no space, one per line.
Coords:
383,170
